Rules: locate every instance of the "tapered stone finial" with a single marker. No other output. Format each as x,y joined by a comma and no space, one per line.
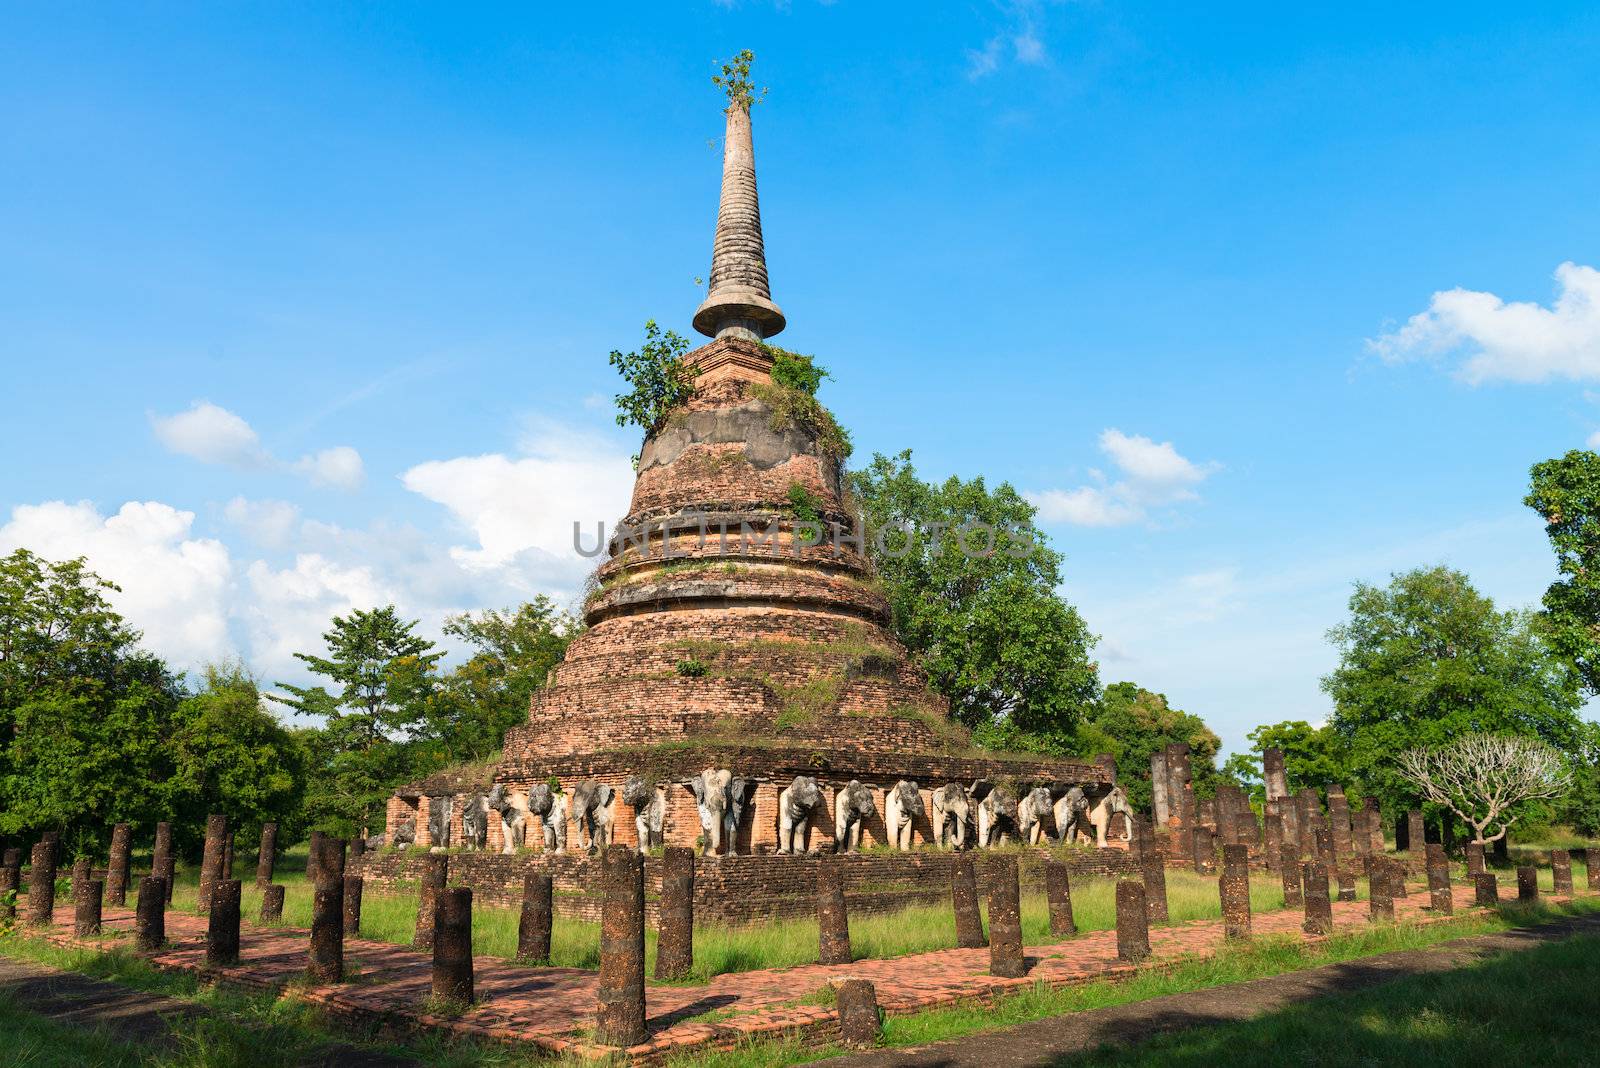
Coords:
740,301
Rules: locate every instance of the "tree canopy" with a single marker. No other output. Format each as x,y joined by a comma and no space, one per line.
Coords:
1132,724
1313,757
1566,492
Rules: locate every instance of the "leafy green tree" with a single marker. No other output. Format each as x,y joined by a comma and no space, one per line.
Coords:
1312,757
386,677
1566,492
660,377
1428,659
989,629
1132,724
513,653
1580,809
230,755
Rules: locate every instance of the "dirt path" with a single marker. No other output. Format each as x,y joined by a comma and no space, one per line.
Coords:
1046,1042
134,1016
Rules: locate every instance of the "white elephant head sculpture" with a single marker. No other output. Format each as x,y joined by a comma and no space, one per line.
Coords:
997,813
951,809
1031,813
795,804
512,808
649,803
1115,801
591,810
900,812
1071,814
710,789
852,806
475,821
405,832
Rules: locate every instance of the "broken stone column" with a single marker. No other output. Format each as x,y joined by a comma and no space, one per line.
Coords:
117,864
1347,884
1339,824
227,854
1397,876
1308,811
964,899
1204,846
452,945
1319,910
327,913
1205,814
353,886
42,884
169,875
1133,922
1440,897
1153,871
1591,865
266,855
86,908
211,859
222,929
1272,774
619,1019
1234,886
1058,895
150,913
80,876
1360,841
1180,785
857,1001
435,870
1561,871
535,923
10,884
1488,888
1475,858
1416,834
272,903
675,931
1289,871
833,922
1375,825
1527,883
1160,803
1273,844
311,856
1322,846
1005,918
1380,894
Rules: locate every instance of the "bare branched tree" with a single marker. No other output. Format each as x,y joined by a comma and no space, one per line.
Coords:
1483,777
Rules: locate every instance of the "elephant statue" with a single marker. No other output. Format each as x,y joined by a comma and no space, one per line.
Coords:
405,832
997,814
951,806
554,817
710,789
475,821
1072,814
591,810
1031,813
439,812
739,790
795,804
550,805
900,811
1115,801
649,803
512,808
852,806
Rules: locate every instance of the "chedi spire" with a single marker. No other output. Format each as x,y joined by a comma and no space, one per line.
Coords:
740,301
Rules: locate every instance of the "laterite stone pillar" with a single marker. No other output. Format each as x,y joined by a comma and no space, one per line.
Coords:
211,859
1133,922
353,885
619,1019
1440,898
266,854
1339,824
1005,919
675,933
1488,888
1380,894
1274,838
10,884
86,908
327,913
227,854
1319,910
1397,877
1416,834
117,865
1204,851
1153,872
534,925
1347,885
1561,869
857,1000
435,870
964,899
1527,883
1475,858
272,903
222,929
833,923
80,875
150,913
452,944
42,884
1234,887
1591,864
1289,871
311,856
1058,895
169,876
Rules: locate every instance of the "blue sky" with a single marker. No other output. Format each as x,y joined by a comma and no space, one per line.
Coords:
307,308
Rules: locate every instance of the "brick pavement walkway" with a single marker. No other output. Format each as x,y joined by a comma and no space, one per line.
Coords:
554,1007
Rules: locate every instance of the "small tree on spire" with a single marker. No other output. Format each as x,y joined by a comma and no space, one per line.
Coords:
735,80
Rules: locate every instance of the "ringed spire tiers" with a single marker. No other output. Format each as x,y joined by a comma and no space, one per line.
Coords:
739,303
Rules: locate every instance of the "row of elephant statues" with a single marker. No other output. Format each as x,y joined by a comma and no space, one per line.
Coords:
983,814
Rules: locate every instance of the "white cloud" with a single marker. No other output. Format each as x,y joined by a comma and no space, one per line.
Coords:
211,435
521,510
1153,475
267,523
214,435
288,609
339,467
1594,440
1516,342
174,587
1018,40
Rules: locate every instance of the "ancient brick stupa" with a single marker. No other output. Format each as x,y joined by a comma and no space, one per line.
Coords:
766,652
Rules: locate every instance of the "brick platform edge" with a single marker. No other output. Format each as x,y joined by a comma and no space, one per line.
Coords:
812,1025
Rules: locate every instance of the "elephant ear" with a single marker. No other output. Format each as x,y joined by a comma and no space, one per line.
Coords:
606,793
981,788
697,786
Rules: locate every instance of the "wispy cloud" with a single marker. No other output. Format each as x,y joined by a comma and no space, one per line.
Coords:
1017,40
214,435
1150,475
